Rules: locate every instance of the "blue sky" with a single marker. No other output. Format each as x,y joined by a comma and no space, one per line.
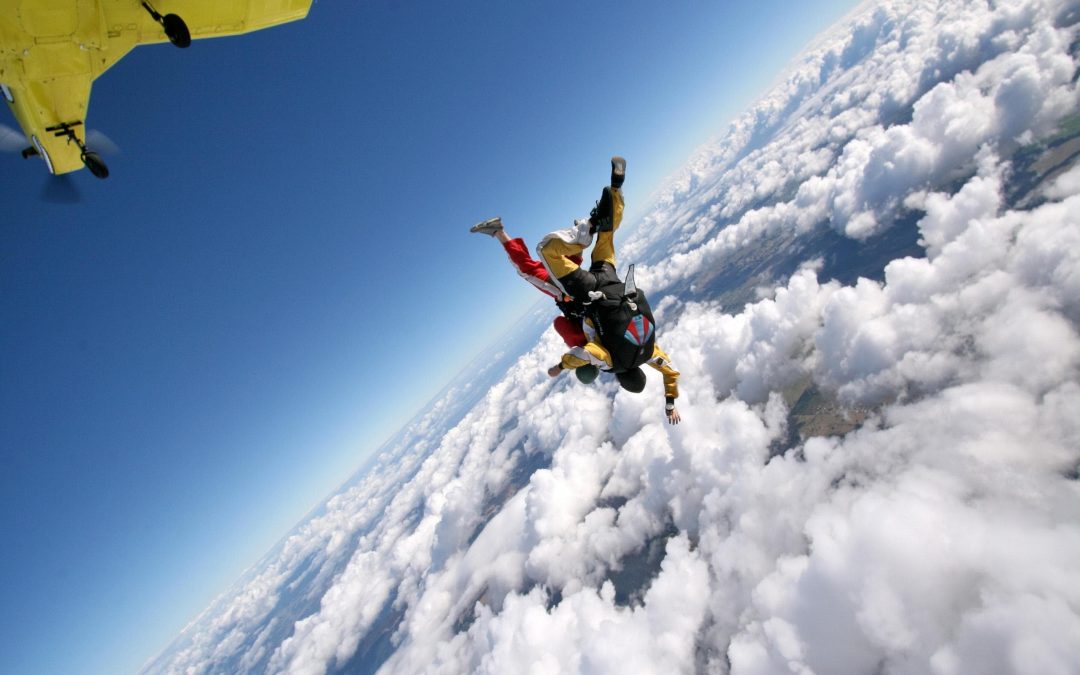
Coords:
278,273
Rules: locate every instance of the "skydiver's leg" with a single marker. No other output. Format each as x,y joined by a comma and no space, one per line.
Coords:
560,251
533,271
529,268
609,207
555,250
608,215
570,331
526,266
605,220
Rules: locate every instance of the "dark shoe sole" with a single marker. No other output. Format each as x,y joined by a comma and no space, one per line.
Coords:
618,171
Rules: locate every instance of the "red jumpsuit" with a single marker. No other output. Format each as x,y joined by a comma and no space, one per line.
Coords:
536,274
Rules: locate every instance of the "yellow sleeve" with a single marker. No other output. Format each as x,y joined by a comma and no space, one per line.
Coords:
592,353
662,362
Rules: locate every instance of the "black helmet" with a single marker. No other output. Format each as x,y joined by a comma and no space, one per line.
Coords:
632,380
587,373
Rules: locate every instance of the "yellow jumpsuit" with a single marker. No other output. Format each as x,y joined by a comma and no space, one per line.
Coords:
593,353
557,248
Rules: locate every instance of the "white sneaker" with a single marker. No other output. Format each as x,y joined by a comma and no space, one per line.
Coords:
492,226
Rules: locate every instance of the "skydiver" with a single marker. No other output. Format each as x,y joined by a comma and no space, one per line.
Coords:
565,247
561,276
568,326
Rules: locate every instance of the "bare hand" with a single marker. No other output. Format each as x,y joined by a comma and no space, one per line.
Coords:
673,416
555,370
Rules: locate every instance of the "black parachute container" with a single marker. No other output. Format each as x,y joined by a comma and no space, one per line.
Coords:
624,322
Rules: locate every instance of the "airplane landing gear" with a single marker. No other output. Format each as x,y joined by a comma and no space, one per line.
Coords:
91,159
175,28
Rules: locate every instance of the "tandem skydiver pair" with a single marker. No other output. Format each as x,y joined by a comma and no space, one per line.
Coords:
606,322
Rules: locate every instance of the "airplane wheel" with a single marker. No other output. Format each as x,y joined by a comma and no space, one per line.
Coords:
176,30
94,163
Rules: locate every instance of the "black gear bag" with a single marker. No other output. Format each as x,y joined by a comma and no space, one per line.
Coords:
624,322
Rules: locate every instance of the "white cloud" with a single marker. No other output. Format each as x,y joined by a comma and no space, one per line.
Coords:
973,75
940,536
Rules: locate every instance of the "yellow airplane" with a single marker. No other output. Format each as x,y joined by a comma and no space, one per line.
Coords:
52,50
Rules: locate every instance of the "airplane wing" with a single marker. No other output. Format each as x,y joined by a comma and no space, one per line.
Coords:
52,50
127,23
204,18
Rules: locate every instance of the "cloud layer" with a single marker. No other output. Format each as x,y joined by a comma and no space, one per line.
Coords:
555,527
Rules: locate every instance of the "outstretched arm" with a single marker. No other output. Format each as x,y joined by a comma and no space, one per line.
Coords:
662,362
590,354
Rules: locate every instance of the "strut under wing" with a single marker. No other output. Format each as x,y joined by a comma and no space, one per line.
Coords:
204,18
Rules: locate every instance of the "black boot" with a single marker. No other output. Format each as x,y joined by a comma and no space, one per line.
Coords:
618,171
601,215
